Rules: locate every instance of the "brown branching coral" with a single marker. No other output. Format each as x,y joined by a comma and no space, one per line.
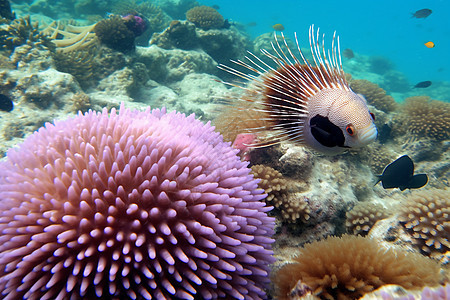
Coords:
363,216
205,17
348,267
280,194
374,94
426,118
22,31
426,216
80,102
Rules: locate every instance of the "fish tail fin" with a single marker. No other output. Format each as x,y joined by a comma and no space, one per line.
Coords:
379,177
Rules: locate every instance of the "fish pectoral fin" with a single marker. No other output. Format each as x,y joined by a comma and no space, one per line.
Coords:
417,181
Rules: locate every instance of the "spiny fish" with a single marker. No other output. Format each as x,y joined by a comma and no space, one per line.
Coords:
303,102
423,84
400,174
422,13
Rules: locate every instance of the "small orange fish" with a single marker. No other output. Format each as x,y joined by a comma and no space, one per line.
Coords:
278,27
429,44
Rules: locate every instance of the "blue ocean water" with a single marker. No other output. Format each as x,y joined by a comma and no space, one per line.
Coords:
379,28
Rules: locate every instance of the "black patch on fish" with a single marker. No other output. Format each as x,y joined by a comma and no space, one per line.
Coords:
6,104
422,13
325,132
423,84
384,133
400,174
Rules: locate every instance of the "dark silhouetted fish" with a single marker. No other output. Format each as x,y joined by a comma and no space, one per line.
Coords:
6,104
422,13
423,84
400,174
348,53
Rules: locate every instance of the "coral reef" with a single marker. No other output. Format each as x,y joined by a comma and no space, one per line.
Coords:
223,45
380,64
78,52
80,102
79,63
363,216
348,267
376,156
168,66
156,19
426,216
20,32
68,38
424,117
109,205
205,17
395,82
115,33
280,193
179,34
374,95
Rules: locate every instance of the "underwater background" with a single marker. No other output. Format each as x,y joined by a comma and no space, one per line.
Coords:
333,230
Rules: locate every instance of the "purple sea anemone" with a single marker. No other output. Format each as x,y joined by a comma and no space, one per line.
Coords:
133,205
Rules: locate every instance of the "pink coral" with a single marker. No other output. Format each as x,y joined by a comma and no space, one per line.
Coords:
131,205
243,143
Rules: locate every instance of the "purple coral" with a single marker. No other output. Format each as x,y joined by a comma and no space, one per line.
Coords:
440,293
428,293
131,205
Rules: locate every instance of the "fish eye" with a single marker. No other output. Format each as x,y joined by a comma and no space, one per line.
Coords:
350,129
372,115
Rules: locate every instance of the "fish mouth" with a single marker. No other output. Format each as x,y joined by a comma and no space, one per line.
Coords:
368,134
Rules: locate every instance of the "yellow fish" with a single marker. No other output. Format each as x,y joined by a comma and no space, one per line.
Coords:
429,44
278,27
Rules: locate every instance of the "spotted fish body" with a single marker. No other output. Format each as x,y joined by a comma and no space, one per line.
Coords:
306,103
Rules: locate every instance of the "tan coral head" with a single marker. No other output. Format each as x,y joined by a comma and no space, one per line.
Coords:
303,102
